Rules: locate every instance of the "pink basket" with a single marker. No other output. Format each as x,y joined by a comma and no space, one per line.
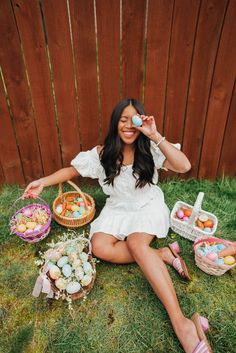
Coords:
37,235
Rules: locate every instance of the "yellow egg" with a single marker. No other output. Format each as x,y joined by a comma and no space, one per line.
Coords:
21,228
31,225
74,208
229,260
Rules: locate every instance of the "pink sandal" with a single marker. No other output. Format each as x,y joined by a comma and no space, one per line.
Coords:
201,324
178,263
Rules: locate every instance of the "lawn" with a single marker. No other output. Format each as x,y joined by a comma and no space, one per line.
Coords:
121,314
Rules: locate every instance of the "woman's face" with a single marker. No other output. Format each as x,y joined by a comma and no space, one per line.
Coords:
126,130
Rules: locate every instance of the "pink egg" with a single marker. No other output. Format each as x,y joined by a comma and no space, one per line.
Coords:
185,218
27,212
180,214
211,256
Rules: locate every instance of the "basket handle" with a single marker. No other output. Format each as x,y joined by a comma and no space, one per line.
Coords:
76,239
20,198
77,189
196,207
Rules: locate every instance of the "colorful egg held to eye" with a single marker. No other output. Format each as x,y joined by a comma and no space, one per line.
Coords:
137,121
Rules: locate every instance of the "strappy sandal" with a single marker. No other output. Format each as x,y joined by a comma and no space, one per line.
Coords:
178,263
201,324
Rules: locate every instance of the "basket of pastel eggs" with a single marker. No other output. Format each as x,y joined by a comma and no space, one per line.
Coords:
214,256
73,209
192,222
30,223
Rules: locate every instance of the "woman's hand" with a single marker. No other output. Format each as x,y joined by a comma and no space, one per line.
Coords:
34,189
148,127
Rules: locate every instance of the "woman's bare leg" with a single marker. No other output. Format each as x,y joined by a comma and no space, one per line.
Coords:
157,275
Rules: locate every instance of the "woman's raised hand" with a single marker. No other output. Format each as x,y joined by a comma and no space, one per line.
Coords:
148,127
33,190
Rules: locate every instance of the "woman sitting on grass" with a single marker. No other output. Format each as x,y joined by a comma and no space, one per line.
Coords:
135,213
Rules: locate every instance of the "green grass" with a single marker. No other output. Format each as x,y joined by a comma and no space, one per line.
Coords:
121,314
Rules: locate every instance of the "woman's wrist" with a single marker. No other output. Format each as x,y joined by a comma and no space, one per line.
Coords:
157,138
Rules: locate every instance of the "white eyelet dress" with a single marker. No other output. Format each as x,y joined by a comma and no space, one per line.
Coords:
127,209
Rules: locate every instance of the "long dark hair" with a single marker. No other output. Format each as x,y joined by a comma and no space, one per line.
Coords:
111,156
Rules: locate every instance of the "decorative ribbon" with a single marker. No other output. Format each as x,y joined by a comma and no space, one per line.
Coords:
43,285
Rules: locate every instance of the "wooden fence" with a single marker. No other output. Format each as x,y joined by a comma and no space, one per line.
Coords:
65,64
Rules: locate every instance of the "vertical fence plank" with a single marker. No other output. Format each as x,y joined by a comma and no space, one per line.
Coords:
206,44
19,95
227,165
158,41
31,32
108,32
59,42
9,154
222,87
83,28
181,51
133,31
2,177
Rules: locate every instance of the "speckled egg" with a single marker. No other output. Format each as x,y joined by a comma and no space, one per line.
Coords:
76,263
73,287
54,272
62,261
84,256
31,225
60,283
52,255
66,270
79,273
86,280
21,228
87,268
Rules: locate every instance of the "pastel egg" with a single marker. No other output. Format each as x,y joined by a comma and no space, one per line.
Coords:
180,214
27,212
82,204
211,256
87,268
201,252
203,218
86,280
54,272
84,256
60,283
76,264
72,257
200,224
21,228
208,224
220,261
220,247
73,287
187,212
31,225
229,260
185,218
62,261
52,255
79,273
66,270
76,214
59,209
38,228
74,208
136,120
208,230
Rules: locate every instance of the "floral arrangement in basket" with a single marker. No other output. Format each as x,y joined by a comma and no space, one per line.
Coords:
214,256
192,222
73,208
67,268
32,222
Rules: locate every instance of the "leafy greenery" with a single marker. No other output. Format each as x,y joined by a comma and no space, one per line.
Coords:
121,314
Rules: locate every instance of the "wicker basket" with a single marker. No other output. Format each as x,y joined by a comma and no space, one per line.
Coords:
70,222
46,284
188,229
204,263
34,236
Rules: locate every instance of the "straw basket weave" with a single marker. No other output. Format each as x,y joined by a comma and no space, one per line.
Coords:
188,229
70,222
204,263
37,235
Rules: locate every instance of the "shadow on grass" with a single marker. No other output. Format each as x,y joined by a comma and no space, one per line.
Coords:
21,339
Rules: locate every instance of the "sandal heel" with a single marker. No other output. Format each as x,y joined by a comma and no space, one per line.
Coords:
175,247
204,323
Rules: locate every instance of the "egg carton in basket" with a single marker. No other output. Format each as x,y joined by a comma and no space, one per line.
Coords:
188,228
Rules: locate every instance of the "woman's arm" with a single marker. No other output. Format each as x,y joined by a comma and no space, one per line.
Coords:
175,159
36,187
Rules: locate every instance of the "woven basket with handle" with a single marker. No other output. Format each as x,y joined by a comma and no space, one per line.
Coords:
89,206
188,229
204,263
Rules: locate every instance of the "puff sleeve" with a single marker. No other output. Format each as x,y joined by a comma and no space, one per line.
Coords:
158,157
88,164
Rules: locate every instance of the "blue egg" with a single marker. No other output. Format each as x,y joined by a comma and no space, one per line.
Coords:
201,252
220,247
137,121
208,230
66,270
220,261
76,214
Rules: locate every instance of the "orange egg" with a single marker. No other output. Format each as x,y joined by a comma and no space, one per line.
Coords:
68,207
200,224
208,224
187,212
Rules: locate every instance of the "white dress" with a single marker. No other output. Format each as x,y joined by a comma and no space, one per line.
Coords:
127,209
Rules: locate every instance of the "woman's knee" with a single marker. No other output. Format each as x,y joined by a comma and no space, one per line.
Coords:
136,245
101,249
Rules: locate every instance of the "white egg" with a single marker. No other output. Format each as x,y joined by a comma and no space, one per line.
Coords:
79,273
59,209
55,272
73,287
86,280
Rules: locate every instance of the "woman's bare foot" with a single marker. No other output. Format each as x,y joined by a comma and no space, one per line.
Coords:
166,255
187,335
